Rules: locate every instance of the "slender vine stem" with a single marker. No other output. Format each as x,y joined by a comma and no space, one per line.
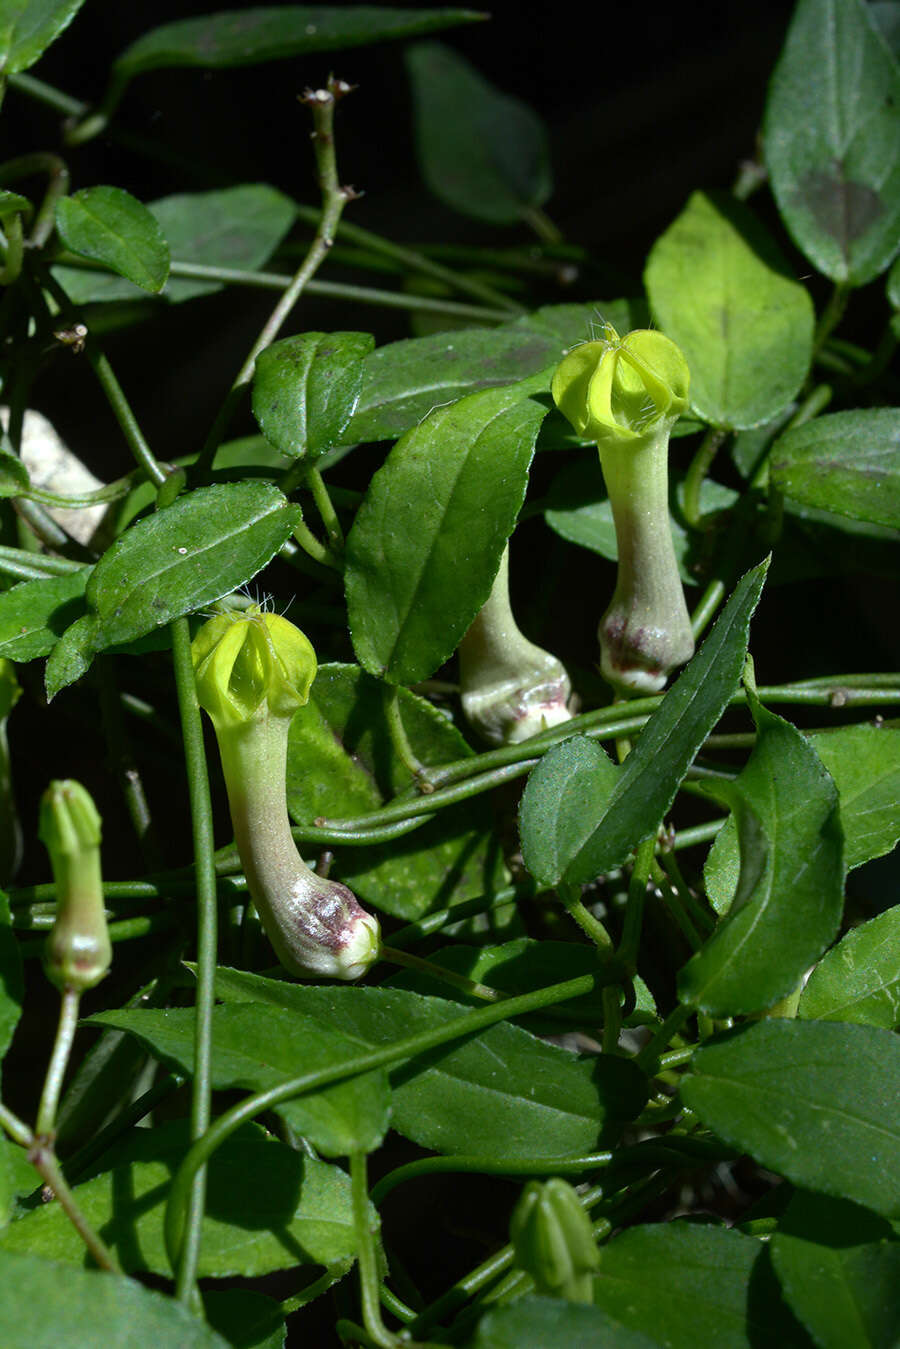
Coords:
204,870
321,102
401,742
699,467
413,962
44,1161
831,316
366,1258
17,1129
325,507
634,908
487,1166
59,1059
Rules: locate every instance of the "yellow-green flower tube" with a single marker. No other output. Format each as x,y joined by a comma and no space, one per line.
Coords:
626,394
253,671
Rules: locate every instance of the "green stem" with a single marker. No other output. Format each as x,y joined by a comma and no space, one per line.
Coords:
412,962
82,1160
634,908
143,455
204,870
468,1023
366,1257
570,897
325,507
312,547
17,1129
831,316
401,742
124,765
433,922
15,251
40,563
415,261
673,902
334,199
488,1166
44,1161
57,186
648,1058
542,225
59,1059
699,467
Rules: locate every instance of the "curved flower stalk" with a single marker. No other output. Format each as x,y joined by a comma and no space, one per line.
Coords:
627,393
253,671
78,952
511,689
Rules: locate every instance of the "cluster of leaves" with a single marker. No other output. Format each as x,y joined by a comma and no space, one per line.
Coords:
719,1058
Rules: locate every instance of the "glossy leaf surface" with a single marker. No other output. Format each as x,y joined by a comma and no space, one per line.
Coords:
845,462
342,763
110,226
719,287
480,150
427,539
500,1091
553,1323
69,1308
831,132
574,782
269,1208
812,1100
306,388
859,979
789,896
258,1047
34,614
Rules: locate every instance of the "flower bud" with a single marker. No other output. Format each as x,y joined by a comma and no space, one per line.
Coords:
253,671
77,953
553,1241
627,393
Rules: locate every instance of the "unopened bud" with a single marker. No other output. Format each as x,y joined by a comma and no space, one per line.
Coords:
77,953
553,1241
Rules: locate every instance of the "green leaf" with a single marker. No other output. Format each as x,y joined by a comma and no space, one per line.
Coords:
859,979
839,1267
830,134
682,1284
268,1207
34,614
71,656
245,37
11,987
342,762
112,227
551,1323
719,287
404,381
648,780
481,151
865,764
258,1047
886,17
574,782
581,514
246,1319
812,1100
11,203
847,463
18,1177
428,537
306,389
45,1304
500,1091
789,897
27,28
238,227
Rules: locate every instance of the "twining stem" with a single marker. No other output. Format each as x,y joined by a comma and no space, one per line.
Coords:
57,186
673,901
648,1058
412,962
44,1161
634,907
143,455
401,742
334,198
59,1059
699,467
325,507
188,1249
366,1257
831,316
311,545
18,1131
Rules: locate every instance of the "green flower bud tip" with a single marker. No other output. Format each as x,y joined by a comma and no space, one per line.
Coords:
78,952
553,1241
627,393
510,688
253,671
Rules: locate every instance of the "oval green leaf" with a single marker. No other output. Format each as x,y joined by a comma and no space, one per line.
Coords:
268,1208
865,764
845,462
859,979
35,614
427,540
481,151
259,1047
719,287
112,227
789,897
574,779
306,388
812,1100
43,1304
832,123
